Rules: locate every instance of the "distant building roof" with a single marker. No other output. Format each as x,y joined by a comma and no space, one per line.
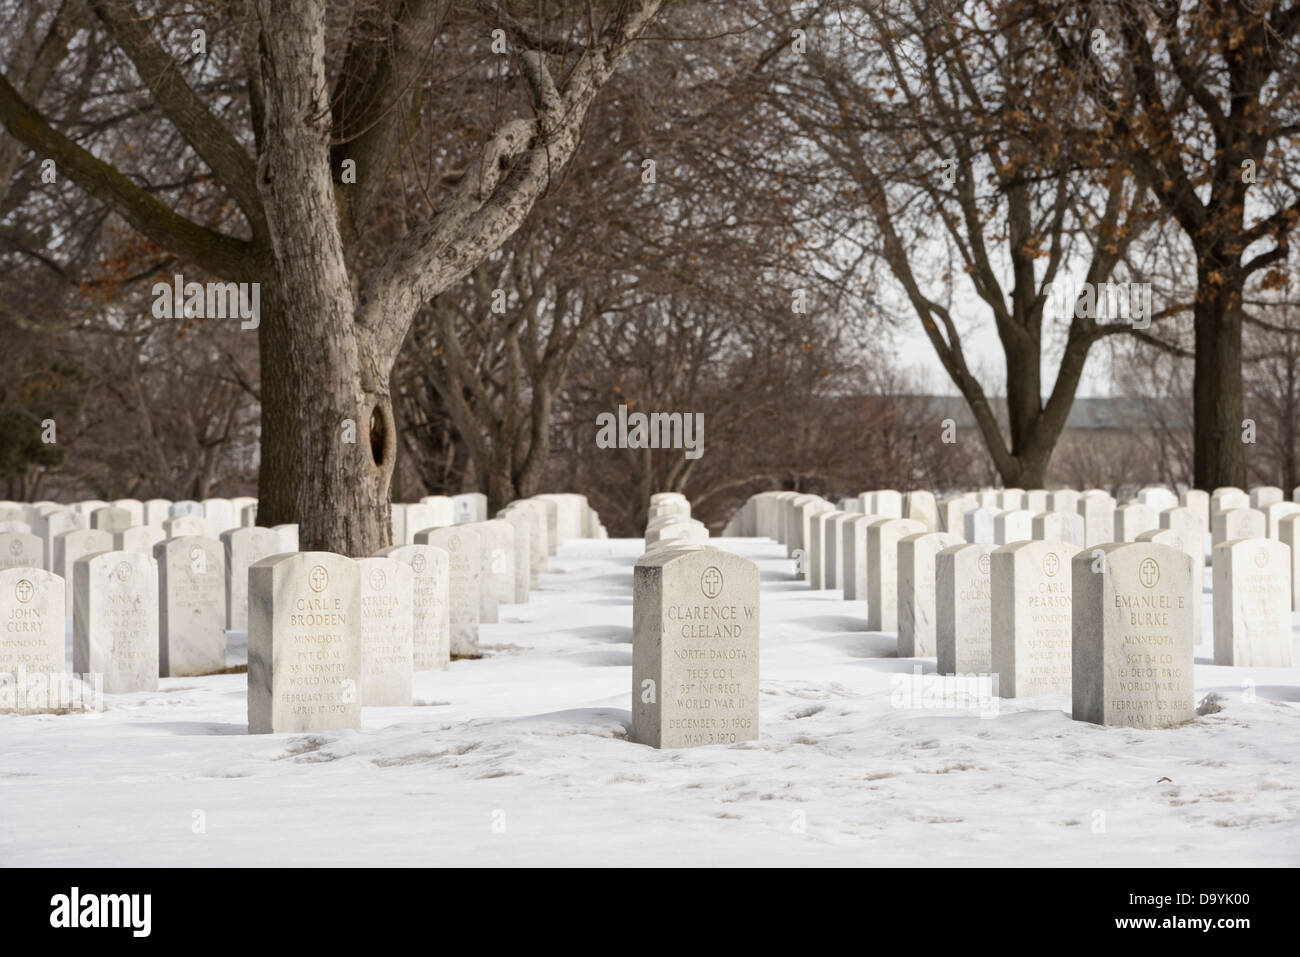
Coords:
1093,412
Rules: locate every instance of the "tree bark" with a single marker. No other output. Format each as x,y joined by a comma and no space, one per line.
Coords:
1217,403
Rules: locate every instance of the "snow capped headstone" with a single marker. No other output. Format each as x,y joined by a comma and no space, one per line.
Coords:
695,648
244,547
963,614
31,605
304,643
1030,586
1132,659
191,606
882,571
464,575
387,632
115,619
916,591
1252,603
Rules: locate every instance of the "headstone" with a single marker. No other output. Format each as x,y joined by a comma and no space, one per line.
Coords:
916,591
464,574
695,648
1013,525
1132,658
304,643
1252,603
21,550
1132,519
963,642
1177,539
157,511
244,547
32,606
1274,512
853,556
1198,501
1011,499
115,619
833,553
1233,523
1157,498
137,538
952,513
1288,534
191,606
288,536
49,526
1098,514
69,547
1227,498
497,553
978,525
519,521
1036,500
882,571
430,622
469,507
1030,586
220,515
194,525
387,632
134,507
1261,496
920,506
111,519
1063,500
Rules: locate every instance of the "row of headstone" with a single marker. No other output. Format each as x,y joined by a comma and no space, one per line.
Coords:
1004,606
668,519
138,616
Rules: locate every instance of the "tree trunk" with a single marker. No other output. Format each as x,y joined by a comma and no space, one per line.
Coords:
1218,407
328,431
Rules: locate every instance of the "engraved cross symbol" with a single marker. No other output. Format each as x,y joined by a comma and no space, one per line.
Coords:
24,591
1149,572
712,582
317,578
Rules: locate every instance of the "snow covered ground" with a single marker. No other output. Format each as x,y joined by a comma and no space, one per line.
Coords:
522,758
